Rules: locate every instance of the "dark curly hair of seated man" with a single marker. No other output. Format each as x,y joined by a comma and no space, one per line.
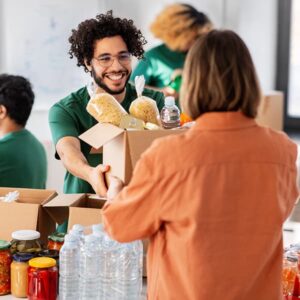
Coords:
104,25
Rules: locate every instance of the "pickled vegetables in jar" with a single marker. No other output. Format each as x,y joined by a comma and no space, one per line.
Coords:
5,261
25,241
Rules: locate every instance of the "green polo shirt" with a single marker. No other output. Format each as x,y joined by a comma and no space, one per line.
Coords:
69,117
23,161
158,66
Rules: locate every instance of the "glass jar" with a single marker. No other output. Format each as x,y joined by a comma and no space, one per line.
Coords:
25,241
5,261
289,273
56,240
18,274
42,279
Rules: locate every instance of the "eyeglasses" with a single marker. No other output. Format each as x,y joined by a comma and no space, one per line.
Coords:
107,60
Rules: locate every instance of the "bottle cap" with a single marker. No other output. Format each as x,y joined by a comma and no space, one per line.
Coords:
25,235
42,262
97,228
78,227
57,237
4,245
90,238
71,238
169,101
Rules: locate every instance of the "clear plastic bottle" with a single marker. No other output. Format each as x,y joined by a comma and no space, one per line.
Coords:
110,257
90,271
69,268
130,271
170,114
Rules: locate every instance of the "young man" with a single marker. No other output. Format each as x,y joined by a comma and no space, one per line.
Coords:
103,46
23,160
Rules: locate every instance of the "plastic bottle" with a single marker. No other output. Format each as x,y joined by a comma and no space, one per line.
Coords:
69,268
170,114
109,263
89,269
129,271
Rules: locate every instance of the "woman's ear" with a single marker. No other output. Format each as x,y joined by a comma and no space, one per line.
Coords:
3,112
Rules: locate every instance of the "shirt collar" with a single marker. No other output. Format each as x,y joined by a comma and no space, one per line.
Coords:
223,121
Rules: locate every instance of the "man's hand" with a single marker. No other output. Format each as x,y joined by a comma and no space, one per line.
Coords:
115,186
97,180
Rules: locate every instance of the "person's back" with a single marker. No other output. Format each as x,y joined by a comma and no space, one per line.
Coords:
214,218
23,160
224,208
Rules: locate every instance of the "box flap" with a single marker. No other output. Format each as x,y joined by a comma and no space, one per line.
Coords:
100,134
139,141
34,196
17,216
58,208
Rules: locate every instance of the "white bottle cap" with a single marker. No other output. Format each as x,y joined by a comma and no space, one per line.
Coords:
97,228
78,227
70,238
25,235
169,101
90,238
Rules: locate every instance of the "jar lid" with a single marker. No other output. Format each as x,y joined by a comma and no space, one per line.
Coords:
23,257
4,245
57,237
42,262
49,253
26,235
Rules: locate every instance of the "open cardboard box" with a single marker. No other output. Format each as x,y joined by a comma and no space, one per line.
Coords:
26,213
270,110
121,148
81,209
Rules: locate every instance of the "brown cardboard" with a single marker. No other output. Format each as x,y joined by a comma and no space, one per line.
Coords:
81,209
270,111
26,213
122,148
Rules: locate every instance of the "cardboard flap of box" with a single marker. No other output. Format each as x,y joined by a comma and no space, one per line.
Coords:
100,134
33,196
25,213
88,211
58,207
139,141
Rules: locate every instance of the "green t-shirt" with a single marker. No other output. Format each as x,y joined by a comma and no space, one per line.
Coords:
158,66
23,161
69,117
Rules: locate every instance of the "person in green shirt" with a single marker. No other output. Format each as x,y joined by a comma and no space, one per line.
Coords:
103,47
178,26
23,162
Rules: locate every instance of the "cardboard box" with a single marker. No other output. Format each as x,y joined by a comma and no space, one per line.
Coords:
26,213
122,148
271,110
81,209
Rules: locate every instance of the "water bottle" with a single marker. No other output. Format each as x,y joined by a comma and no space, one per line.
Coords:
69,269
109,264
130,271
90,269
170,114
78,232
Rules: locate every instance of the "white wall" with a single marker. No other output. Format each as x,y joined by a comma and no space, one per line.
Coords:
254,20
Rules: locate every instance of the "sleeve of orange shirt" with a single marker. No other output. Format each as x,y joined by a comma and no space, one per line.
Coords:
134,213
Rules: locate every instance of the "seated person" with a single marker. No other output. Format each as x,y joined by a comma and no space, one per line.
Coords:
23,160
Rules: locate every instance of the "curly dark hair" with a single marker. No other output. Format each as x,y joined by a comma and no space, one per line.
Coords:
104,25
17,96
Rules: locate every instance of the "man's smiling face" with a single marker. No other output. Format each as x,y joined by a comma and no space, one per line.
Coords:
111,64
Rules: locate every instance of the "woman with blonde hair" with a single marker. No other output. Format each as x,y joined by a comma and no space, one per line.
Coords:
178,26
214,217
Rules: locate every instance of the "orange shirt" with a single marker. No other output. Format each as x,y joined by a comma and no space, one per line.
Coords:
213,201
